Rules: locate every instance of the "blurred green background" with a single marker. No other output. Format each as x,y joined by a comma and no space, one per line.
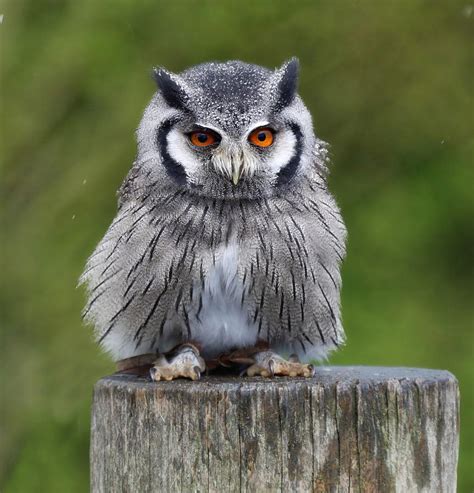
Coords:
389,84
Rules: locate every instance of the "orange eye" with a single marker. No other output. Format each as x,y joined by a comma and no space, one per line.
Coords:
202,138
261,137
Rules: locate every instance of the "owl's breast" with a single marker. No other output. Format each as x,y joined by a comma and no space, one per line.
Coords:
222,322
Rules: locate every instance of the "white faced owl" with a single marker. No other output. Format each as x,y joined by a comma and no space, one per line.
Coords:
226,238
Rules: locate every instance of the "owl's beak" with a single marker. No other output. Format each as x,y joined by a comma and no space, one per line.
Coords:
237,167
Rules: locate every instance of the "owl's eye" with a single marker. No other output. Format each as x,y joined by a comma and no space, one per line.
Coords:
202,138
262,137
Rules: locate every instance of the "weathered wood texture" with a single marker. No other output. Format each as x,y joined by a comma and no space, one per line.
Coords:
346,429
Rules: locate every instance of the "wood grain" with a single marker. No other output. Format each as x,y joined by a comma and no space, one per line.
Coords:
347,429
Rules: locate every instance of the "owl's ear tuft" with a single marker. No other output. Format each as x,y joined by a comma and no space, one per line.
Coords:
287,82
171,87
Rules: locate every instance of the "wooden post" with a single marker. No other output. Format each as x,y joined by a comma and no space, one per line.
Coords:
347,429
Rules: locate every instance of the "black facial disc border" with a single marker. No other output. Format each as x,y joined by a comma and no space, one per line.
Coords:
174,169
288,171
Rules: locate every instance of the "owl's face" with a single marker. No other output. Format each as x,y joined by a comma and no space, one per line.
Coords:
226,130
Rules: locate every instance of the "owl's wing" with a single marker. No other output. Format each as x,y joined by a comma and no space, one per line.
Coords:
293,263
141,278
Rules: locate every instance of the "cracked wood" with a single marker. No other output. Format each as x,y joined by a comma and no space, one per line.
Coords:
347,429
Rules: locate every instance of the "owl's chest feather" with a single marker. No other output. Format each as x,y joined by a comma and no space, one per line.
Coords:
223,322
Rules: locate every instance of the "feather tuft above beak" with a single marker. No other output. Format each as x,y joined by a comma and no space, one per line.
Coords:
233,162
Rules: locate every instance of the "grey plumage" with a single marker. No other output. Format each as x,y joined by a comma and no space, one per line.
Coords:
193,256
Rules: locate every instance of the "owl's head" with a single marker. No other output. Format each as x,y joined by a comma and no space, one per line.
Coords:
226,130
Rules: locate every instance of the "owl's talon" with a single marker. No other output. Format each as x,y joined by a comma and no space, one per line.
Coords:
184,363
293,358
271,364
195,374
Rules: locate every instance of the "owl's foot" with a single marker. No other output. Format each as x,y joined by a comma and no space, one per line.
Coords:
269,364
184,362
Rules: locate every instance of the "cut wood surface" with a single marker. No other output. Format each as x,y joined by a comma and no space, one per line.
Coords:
347,429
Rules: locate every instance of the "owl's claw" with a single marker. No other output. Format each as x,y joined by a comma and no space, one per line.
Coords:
293,358
269,364
184,363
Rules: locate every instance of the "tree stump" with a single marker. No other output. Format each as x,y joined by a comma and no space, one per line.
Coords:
347,429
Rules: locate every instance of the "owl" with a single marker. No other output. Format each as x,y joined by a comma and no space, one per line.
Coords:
226,240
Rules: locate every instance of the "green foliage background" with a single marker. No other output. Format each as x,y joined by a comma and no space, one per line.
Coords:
389,84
